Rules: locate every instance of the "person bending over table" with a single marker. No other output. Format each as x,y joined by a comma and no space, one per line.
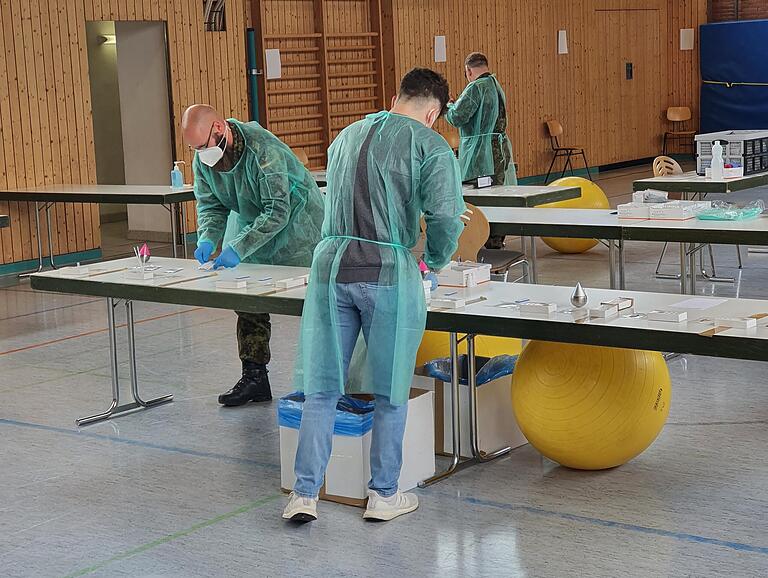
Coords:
384,173
243,168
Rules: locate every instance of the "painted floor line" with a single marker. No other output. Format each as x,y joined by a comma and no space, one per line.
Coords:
93,332
175,536
141,444
680,536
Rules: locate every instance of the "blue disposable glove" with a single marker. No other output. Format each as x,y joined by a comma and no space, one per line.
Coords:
203,251
432,277
227,258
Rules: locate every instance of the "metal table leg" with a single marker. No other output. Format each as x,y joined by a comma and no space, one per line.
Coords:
40,262
174,237
132,363
474,439
115,409
612,262
48,207
683,274
534,267
183,226
692,271
622,266
455,416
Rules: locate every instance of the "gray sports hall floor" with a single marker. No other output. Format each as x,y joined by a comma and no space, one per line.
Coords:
191,489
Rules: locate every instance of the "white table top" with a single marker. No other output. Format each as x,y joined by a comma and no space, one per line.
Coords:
591,223
692,182
131,194
493,314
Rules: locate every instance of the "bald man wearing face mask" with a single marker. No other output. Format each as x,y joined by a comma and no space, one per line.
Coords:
242,168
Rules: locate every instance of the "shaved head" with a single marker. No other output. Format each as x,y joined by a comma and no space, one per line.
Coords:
200,123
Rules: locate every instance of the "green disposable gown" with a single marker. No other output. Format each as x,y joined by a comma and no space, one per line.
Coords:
279,209
484,148
411,172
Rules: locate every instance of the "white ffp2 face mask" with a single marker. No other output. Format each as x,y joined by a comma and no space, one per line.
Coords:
212,155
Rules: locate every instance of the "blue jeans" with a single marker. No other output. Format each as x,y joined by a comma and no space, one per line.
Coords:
356,303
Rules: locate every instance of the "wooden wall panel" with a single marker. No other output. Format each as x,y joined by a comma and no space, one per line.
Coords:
615,120
46,127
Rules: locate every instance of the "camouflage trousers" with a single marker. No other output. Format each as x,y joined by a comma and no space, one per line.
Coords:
253,333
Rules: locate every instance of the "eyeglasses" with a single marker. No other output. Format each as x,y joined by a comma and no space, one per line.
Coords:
208,140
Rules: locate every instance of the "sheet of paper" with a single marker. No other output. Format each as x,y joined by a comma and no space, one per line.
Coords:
698,303
562,42
272,63
686,39
440,50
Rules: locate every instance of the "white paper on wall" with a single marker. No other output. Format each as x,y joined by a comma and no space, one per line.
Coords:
562,42
273,65
686,39
440,51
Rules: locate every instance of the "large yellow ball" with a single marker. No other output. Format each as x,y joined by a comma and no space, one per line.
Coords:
588,407
592,197
435,344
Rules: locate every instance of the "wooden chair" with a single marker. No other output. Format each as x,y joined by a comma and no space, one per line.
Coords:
555,130
301,154
677,115
471,247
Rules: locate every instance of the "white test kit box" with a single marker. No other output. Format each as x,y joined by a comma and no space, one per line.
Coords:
668,316
292,282
736,322
637,211
349,469
464,274
232,283
678,210
139,274
537,308
447,302
604,311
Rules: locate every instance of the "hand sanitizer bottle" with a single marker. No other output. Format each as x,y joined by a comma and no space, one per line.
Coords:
717,161
177,177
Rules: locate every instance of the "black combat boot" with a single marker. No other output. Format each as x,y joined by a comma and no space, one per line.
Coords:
253,386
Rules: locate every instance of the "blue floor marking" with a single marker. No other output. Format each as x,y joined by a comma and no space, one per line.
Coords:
141,444
681,536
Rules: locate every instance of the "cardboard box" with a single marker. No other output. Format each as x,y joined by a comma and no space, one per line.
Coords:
349,469
496,427
464,274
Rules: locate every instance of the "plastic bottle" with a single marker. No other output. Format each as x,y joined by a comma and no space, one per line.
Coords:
177,177
717,161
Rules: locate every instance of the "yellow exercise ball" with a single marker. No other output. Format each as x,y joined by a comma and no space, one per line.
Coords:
592,197
435,344
587,407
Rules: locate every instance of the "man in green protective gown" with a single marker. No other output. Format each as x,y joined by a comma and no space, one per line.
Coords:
244,169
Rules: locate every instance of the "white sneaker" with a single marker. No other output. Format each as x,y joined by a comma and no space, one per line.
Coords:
300,509
381,508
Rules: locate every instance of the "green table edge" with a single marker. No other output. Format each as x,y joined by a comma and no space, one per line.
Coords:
516,202
538,329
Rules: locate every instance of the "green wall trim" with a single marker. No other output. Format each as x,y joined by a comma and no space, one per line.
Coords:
66,259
